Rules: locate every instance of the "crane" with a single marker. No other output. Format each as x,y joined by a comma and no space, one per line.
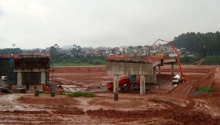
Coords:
182,76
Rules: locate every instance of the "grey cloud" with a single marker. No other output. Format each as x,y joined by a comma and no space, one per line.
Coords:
1,12
106,22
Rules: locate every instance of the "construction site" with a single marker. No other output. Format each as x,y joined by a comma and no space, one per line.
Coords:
137,90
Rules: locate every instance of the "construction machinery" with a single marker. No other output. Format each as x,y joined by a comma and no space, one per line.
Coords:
125,83
182,77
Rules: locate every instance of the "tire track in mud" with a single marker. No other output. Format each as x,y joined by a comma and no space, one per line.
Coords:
203,106
41,118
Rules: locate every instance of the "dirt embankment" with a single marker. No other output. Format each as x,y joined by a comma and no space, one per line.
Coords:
207,78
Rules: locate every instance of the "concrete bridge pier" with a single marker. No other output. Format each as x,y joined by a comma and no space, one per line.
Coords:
142,84
43,77
147,71
19,79
115,87
159,70
172,68
154,76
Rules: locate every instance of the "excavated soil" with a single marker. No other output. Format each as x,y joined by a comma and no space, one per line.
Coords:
163,103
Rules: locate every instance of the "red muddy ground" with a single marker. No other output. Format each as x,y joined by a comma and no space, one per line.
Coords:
163,103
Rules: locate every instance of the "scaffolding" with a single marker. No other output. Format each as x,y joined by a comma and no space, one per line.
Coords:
32,65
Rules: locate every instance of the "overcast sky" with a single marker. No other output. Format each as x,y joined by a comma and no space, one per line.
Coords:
109,23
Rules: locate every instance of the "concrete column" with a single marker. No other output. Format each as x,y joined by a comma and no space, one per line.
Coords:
43,78
19,79
142,84
116,87
172,68
158,69
154,76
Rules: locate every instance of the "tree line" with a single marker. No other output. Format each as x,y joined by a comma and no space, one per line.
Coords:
74,56
203,44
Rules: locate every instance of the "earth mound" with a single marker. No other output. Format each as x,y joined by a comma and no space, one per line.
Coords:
210,80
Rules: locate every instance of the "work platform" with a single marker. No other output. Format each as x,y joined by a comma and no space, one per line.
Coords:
145,67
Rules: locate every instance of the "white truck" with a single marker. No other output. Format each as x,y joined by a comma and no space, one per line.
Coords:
4,78
176,79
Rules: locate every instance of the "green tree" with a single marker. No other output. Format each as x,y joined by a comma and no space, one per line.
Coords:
54,52
76,50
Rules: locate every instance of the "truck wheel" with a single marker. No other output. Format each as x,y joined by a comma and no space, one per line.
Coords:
128,88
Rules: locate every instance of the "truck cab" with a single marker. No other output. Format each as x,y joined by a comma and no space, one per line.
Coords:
4,78
176,79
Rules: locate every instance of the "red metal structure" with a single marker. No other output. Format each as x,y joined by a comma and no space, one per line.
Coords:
124,84
183,78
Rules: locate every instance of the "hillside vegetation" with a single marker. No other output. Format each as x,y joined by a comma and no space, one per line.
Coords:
204,46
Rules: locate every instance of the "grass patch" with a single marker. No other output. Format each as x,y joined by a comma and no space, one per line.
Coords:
205,89
84,94
41,92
